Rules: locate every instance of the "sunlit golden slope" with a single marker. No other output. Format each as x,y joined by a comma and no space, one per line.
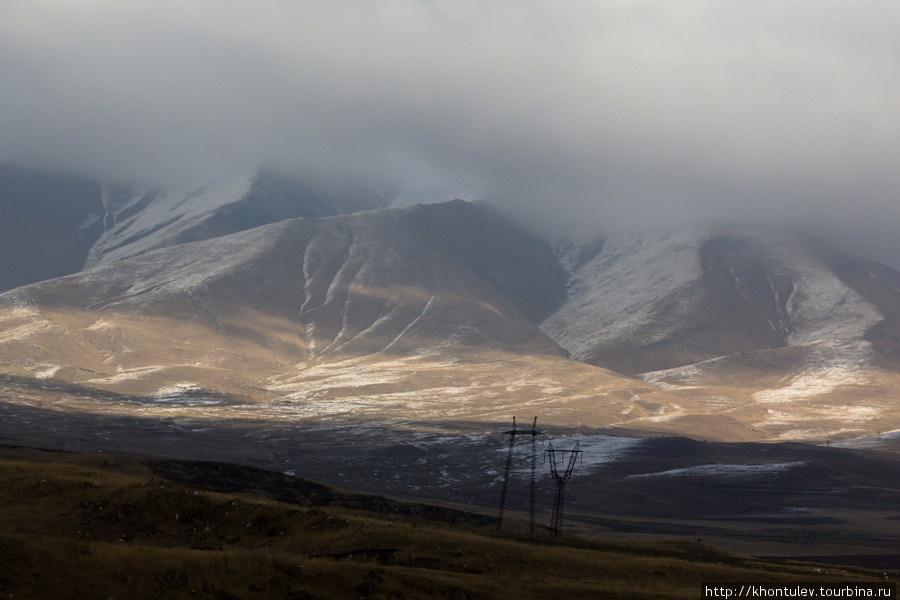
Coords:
431,313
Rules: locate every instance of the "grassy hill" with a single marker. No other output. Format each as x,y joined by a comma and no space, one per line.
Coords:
101,526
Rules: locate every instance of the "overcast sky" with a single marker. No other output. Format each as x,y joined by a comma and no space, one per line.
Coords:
588,113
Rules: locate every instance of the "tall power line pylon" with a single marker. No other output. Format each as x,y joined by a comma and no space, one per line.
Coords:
512,433
560,477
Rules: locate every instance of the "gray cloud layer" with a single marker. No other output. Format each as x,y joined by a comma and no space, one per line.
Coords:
612,111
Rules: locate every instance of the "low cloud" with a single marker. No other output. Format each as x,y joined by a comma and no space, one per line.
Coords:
574,114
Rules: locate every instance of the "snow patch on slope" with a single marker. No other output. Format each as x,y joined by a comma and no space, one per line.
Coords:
167,215
600,450
830,366
724,470
635,290
830,319
623,290
174,270
20,322
883,441
128,374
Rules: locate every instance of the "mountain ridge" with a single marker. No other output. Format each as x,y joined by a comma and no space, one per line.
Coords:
454,307
56,225
314,318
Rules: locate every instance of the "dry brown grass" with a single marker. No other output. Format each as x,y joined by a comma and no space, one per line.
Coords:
76,532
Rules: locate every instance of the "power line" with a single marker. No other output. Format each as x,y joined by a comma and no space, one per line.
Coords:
512,433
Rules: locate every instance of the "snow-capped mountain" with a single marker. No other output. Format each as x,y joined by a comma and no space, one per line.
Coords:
264,296
668,298
137,221
740,319
425,312
57,225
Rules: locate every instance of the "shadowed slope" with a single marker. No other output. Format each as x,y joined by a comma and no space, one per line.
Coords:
771,328
48,225
138,221
88,526
368,314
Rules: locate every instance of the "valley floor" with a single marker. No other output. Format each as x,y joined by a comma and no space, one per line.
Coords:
785,500
88,525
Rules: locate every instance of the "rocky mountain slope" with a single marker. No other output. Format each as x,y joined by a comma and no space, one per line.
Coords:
258,298
772,327
426,312
137,221
55,225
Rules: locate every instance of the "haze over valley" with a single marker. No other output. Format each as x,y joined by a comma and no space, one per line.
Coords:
667,233
344,330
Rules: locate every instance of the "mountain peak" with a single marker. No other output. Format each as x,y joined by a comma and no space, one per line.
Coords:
261,290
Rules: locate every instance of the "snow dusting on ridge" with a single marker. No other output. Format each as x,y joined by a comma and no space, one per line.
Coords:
172,270
164,217
642,288
829,318
623,288
627,294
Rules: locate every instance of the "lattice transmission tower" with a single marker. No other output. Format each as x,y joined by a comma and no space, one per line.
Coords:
560,477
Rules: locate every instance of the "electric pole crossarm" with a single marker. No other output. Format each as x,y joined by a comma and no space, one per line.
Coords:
512,433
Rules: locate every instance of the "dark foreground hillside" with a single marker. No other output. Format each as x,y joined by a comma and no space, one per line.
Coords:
99,526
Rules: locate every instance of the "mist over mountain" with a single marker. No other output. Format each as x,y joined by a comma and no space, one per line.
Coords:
285,298
49,224
314,329
613,115
351,240
58,224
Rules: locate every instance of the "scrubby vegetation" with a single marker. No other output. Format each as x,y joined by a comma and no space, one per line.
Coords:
104,527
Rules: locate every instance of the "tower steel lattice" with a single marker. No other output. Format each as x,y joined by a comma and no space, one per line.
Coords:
561,477
512,433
